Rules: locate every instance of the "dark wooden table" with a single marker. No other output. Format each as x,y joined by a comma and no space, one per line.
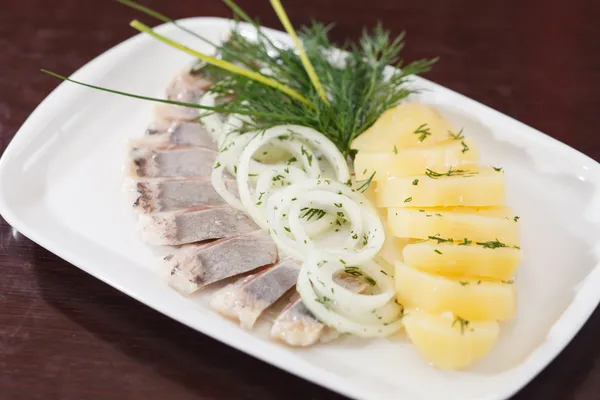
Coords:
65,335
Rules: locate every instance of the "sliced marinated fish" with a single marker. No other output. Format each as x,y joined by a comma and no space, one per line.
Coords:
193,225
176,134
296,326
246,299
168,194
188,86
172,162
197,265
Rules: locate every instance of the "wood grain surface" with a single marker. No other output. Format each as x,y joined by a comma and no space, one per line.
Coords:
66,335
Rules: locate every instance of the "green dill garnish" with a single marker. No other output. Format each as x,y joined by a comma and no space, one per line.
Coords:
383,272
408,199
498,169
365,239
287,229
440,239
309,213
463,324
465,242
353,271
457,136
323,300
465,147
362,188
492,244
517,247
509,282
303,87
340,214
371,281
355,236
261,195
235,169
415,183
463,283
419,211
294,198
479,282
338,205
437,251
217,164
344,262
278,177
395,150
258,203
292,160
516,218
308,156
423,131
451,172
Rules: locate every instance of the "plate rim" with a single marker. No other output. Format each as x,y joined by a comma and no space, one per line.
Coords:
578,311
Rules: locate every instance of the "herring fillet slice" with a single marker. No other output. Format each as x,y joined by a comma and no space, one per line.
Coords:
168,194
176,134
249,297
197,224
172,162
187,86
197,265
297,327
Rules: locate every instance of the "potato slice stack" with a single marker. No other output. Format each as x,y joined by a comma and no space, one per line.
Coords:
453,241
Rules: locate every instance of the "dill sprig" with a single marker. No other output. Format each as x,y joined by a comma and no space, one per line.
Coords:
492,244
366,183
457,136
309,213
451,172
336,93
357,90
462,322
423,131
440,239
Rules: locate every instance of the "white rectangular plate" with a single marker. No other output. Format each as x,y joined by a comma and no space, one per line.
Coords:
60,186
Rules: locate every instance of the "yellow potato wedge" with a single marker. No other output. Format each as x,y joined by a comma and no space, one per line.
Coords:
456,223
463,260
475,187
415,160
472,299
450,342
408,124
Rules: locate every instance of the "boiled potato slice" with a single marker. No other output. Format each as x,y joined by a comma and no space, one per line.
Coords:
405,125
457,223
465,260
415,160
450,342
476,187
472,299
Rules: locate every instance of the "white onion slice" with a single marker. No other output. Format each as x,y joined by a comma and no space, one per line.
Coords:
326,305
365,238
287,133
